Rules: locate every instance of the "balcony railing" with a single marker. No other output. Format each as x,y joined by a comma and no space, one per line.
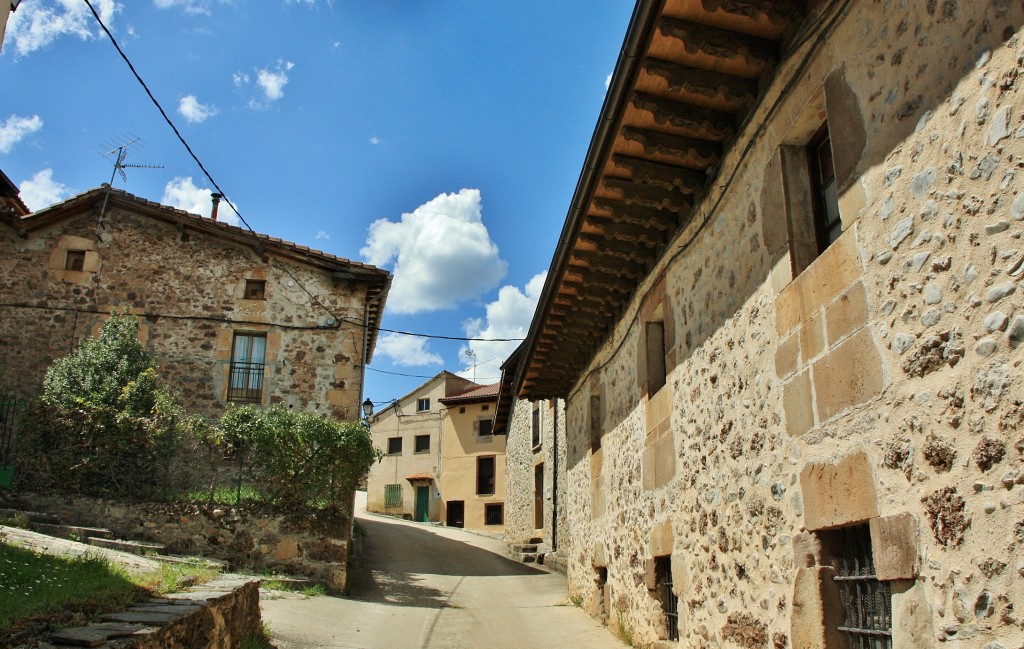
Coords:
246,383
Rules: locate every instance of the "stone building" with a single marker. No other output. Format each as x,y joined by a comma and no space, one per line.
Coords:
534,471
231,316
406,481
785,318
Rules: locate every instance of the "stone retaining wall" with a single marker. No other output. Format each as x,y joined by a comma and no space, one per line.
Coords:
312,545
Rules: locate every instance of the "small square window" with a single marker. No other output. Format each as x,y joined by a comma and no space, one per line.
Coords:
422,405
255,289
462,410
485,408
75,260
422,444
394,446
494,514
484,426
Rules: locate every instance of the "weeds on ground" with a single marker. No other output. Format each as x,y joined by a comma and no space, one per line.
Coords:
17,520
281,585
260,640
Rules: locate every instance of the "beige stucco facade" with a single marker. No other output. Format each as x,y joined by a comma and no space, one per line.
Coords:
465,453
402,476
878,387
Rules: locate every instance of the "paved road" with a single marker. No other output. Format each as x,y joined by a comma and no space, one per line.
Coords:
429,587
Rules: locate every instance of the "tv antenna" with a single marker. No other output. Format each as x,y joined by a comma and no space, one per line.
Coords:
118,149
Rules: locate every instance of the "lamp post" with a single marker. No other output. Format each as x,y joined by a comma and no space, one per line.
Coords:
367,409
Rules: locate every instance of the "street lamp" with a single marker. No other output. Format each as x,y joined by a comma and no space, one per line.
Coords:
367,408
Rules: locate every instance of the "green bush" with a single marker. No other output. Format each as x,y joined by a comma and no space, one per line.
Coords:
299,459
104,427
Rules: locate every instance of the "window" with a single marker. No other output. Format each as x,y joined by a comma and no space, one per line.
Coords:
483,427
75,260
392,496
669,600
866,601
655,339
485,407
255,289
535,426
827,223
422,444
485,475
595,422
422,405
494,514
394,446
247,361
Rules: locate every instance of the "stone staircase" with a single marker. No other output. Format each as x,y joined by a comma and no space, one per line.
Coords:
99,537
529,552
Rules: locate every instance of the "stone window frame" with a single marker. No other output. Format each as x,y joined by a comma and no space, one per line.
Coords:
655,355
848,551
247,373
395,445
417,446
481,477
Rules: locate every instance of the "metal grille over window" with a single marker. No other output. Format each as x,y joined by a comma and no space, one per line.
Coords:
247,363
867,601
668,597
392,496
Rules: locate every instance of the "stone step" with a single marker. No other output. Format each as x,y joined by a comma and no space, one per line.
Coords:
73,532
135,547
536,540
203,561
31,517
518,548
526,557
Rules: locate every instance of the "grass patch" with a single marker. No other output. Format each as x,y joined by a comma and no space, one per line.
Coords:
224,495
259,641
270,583
40,591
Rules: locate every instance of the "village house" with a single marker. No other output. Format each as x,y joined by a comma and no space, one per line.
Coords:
231,316
406,481
785,319
444,462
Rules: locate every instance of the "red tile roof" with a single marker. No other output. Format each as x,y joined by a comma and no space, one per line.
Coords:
419,476
479,393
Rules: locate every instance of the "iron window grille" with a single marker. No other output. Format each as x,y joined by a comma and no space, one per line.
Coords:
392,496
494,514
668,597
247,367
867,602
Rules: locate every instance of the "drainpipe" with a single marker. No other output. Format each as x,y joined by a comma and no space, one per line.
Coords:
215,197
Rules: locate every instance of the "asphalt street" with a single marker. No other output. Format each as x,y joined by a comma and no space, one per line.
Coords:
423,586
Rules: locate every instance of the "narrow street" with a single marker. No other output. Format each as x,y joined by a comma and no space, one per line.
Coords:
423,586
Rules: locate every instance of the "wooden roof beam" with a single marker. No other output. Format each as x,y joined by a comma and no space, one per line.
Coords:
705,122
625,235
703,83
756,53
637,193
778,12
596,261
648,217
700,154
663,175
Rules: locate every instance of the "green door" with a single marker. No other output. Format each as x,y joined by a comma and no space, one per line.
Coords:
423,504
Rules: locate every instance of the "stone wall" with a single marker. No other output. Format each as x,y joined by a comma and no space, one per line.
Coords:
188,289
313,545
882,384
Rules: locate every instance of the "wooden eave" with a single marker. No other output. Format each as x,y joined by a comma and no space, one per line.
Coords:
376,280
689,75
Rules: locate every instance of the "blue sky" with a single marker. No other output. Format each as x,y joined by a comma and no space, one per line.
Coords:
441,140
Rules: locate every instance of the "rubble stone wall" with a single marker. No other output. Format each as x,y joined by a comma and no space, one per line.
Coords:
188,289
522,458
881,385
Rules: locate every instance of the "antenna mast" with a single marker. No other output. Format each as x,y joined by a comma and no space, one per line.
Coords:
118,149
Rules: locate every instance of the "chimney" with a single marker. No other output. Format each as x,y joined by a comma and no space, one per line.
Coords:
215,197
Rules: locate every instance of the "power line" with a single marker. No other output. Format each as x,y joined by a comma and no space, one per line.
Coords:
420,376
315,300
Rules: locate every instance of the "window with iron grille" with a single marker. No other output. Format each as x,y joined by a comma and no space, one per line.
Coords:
485,475
494,514
669,600
247,363
392,495
867,602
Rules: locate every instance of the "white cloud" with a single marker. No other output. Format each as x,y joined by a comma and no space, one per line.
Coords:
374,140
442,254
201,7
42,190
271,82
240,79
408,351
17,128
195,111
321,234
38,23
184,195
509,316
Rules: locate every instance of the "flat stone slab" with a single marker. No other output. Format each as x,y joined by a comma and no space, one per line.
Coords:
199,595
144,617
94,635
56,546
171,609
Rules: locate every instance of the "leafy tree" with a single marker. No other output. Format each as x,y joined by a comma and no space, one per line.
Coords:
300,459
113,430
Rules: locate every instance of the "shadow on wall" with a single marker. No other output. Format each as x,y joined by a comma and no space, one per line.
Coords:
400,557
898,90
